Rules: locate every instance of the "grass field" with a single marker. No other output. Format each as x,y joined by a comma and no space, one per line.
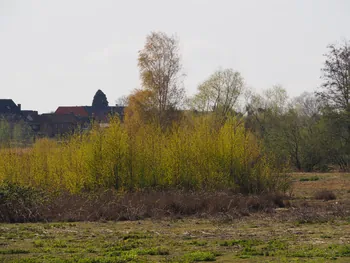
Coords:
284,235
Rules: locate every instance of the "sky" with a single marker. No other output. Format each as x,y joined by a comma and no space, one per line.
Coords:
60,52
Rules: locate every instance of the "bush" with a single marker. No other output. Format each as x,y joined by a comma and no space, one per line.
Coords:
20,203
192,155
325,195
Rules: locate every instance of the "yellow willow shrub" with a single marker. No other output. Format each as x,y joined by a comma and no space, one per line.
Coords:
232,143
43,163
13,162
75,170
194,153
99,158
179,155
242,160
206,138
202,163
113,166
30,166
94,157
148,145
136,172
6,173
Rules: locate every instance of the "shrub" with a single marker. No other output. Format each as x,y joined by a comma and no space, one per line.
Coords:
193,155
20,203
325,195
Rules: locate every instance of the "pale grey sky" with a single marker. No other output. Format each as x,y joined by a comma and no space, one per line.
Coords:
60,52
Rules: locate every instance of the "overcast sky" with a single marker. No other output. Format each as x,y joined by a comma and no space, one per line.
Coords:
60,52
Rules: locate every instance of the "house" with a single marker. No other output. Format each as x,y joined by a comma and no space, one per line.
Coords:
53,125
8,107
66,119
29,115
102,114
99,114
77,111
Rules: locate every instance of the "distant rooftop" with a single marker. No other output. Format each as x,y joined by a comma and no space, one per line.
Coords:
8,106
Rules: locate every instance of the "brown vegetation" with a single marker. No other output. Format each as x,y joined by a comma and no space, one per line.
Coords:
22,204
25,205
325,195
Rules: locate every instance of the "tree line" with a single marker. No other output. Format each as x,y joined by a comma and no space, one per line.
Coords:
309,132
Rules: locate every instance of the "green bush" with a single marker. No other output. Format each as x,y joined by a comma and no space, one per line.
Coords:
20,203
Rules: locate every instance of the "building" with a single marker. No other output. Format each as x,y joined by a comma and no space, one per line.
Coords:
77,111
8,107
99,114
53,125
65,120
29,115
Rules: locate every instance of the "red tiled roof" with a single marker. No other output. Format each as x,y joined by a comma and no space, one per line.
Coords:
77,111
57,118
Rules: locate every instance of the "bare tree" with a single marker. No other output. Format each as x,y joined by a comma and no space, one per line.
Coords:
307,105
336,76
160,70
335,94
265,110
122,101
220,93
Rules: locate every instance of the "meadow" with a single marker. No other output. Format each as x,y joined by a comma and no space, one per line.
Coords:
313,226
196,191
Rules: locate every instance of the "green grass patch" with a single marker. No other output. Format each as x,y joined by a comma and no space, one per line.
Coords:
199,256
136,236
154,251
309,179
198,243
38,243
59,244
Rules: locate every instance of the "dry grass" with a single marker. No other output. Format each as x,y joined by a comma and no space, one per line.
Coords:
338,183
321,200
111,205
308,202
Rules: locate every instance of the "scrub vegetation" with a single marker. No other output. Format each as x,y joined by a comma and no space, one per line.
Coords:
219,176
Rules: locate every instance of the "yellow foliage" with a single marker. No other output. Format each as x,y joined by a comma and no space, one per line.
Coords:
192,154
